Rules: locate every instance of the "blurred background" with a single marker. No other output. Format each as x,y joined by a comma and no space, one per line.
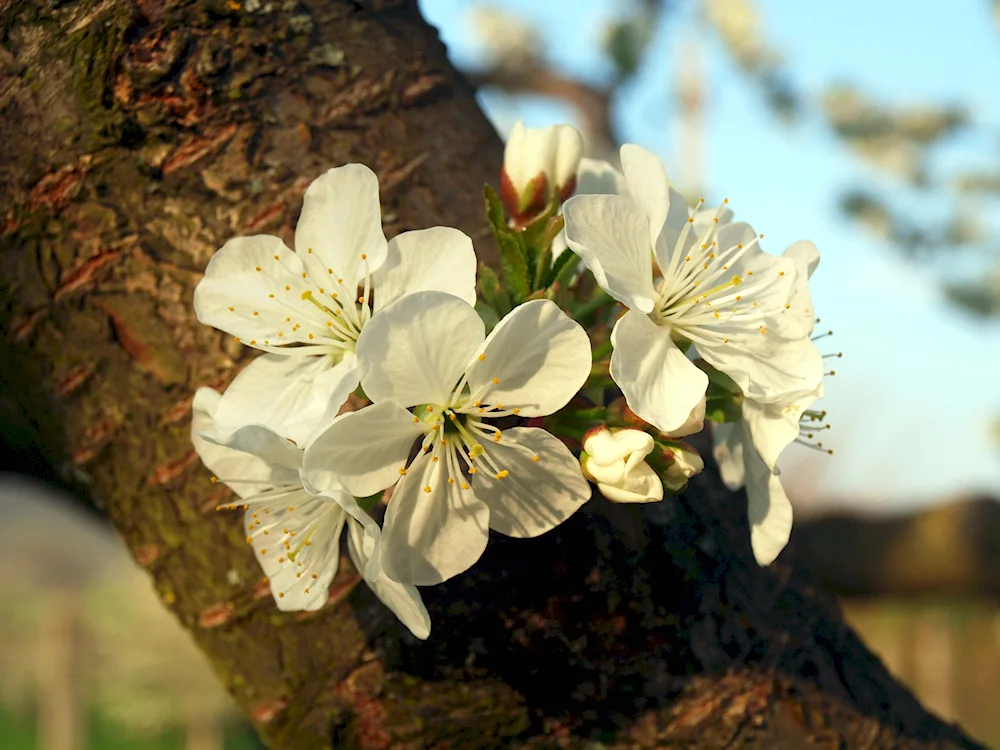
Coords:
872,129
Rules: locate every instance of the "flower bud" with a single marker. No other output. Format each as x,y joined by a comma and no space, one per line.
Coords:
615,461
538,164
683,462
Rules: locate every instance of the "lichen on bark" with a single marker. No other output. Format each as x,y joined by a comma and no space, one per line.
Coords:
134,140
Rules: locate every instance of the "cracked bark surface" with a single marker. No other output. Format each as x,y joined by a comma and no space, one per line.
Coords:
138,137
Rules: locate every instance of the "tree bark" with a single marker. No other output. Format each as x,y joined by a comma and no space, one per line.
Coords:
135,140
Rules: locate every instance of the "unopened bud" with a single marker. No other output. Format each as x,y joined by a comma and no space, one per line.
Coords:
615,461
682,463
539,164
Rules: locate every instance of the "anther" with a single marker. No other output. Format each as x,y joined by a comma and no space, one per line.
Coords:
482,357
427,488
496,381
258,269
503,474
536,458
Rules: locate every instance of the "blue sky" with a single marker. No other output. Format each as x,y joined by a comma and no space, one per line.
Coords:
912,399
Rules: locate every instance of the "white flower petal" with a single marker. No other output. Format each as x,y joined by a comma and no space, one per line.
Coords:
661,385
728,451
403,599
535,496
598,177
428,537
363,451
768,508
293,396
608,447
805,255
299,575
415,351
439,259
244,293
610,233
226,462
694,423
648,185
769,366
774,426
259,441
341,220
538,357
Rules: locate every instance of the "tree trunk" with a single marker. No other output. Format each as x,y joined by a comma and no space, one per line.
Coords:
135,140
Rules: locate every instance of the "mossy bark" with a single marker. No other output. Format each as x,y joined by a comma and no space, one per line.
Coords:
134,140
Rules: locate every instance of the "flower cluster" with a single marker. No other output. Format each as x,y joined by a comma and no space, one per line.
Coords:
395,387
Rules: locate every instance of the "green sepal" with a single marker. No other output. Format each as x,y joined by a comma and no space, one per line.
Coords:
510,243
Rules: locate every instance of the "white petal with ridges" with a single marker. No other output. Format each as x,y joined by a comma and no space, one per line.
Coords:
429,537
648,185
805,256
535,496
294,396
363,450
439,259
776,425
610,233
539,357
403,599
299,575
415,351
768,508
244,294
768,366
229,463
341,220
661,385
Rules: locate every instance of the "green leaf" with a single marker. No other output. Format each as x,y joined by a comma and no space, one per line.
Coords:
494,209
514,263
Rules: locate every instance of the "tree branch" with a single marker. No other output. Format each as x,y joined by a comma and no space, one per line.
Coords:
134,141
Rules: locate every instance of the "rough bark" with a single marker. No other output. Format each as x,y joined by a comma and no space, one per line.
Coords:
136,139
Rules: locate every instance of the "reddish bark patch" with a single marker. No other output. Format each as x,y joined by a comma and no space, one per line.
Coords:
24,325
265,711
84,274
146,554
57,188
197,147
74,379
170,471
216,615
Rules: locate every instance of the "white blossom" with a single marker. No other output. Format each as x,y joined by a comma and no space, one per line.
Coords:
294,529
615,461
436,383
305,309
718,291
